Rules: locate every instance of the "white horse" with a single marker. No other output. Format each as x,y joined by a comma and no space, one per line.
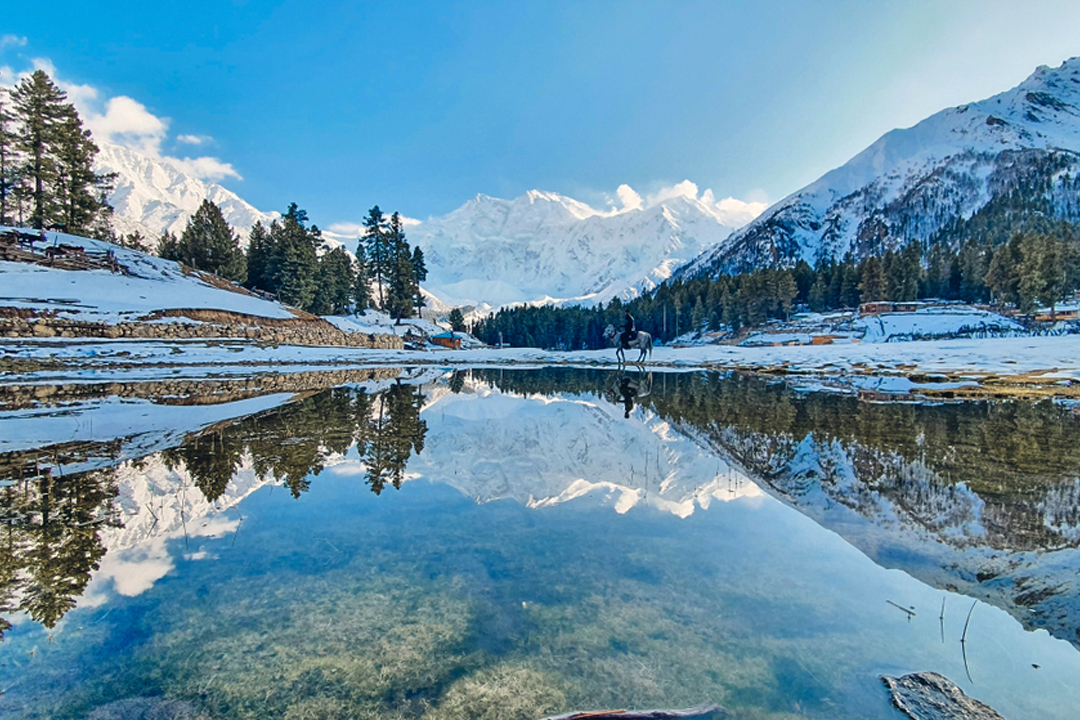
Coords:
642,342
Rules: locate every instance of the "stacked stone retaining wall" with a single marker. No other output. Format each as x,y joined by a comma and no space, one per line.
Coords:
283,332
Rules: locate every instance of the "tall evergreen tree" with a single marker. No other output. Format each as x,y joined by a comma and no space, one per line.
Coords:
401,280
7,158
378,251
337,279
295,260
57,155
209,244
362,284
419,271
260,270
874,282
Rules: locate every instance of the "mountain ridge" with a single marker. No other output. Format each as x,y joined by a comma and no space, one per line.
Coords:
912,182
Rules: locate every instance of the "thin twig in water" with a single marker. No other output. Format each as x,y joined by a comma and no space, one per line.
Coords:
963,642
910,613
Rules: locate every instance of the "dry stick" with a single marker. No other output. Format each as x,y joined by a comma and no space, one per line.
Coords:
910,613
941,619
963,642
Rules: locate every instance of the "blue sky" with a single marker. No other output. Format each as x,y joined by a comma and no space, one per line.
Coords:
418,106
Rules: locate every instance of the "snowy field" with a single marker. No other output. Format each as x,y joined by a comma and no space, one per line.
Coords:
882,366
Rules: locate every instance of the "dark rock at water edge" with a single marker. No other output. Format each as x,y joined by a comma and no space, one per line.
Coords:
929,696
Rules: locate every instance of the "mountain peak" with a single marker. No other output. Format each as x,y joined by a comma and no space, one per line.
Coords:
913,182
152,196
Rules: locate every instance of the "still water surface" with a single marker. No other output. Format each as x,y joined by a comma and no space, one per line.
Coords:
500,544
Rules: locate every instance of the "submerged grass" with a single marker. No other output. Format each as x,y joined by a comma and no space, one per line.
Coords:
460,613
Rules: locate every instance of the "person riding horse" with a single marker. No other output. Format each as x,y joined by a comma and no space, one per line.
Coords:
629,331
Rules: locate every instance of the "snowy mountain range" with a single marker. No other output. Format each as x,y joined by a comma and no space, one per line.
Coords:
544,246
913,182
152,196
539,247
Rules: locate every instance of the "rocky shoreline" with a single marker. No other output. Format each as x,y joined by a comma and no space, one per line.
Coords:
198,324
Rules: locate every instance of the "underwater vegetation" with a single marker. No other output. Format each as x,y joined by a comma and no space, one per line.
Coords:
465,613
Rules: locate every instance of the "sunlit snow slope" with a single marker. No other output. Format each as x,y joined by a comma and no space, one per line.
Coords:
913,182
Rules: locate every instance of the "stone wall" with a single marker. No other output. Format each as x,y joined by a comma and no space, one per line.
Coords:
191,392
282,332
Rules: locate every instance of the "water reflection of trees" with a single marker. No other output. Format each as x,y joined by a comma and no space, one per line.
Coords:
993,447
294,442
50,542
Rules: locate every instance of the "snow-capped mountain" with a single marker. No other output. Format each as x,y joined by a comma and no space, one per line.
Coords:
543,246
152,196
914,182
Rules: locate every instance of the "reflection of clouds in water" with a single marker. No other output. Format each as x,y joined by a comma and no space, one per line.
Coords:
134,570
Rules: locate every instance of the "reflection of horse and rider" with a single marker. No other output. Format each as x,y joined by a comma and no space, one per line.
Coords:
630,339
625,389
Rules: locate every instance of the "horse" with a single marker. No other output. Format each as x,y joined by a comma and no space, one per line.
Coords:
642,342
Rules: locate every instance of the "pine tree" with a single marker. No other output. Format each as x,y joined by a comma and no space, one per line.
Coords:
39,106
336,283
260,271
168,246
873,281
7,158
457,320
419,270
295,261
401,278
378,252
209,244
362,283
56,169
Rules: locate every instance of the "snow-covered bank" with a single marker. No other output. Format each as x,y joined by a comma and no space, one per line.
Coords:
886,367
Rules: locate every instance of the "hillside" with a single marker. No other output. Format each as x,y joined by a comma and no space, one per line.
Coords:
1021,146
132,294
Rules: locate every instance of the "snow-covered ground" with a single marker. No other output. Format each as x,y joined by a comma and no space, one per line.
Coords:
879,366
149,284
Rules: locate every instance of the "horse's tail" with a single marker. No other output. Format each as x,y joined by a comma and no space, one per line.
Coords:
648,345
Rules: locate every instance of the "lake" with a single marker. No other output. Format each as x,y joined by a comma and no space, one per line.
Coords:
513,544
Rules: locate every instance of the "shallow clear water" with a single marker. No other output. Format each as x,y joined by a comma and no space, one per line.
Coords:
730,541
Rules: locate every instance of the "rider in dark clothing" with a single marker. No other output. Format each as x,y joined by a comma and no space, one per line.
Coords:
629,330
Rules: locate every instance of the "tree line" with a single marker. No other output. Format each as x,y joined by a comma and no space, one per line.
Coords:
47,178
1039,266
291,261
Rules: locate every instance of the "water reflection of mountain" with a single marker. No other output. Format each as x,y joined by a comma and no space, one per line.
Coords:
982,498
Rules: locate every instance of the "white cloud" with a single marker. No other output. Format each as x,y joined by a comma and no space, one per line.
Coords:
736,213
684,189
629,198
350,229
127,122
206,168
731,211
7,76
12,40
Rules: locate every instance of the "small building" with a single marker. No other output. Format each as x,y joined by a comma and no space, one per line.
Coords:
447,340
876,307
